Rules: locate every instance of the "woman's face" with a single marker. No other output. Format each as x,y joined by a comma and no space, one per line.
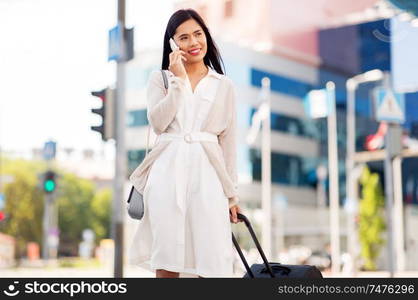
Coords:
191,38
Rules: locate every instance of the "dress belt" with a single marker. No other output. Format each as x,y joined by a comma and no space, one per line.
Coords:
195,136
183,158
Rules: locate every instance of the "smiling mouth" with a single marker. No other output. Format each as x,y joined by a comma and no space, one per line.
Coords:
194,52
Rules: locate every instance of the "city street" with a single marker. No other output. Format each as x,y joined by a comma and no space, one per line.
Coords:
138,135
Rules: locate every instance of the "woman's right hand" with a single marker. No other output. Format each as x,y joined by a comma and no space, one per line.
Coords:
176,65
233,211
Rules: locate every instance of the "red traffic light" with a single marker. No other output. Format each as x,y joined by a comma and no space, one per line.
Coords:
2,216
106,113
101,111
101,94
377,140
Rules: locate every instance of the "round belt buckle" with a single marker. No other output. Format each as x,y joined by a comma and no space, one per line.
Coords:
188,138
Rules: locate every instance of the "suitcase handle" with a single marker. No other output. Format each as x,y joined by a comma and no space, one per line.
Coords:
257,244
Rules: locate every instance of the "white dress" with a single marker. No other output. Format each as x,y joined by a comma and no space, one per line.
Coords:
192,234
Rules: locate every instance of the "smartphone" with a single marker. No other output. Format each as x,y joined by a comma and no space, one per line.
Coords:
173,45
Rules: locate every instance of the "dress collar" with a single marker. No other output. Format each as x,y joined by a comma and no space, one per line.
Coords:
212,72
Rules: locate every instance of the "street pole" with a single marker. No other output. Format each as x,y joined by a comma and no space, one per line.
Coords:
350,183
49,222
389,203
392,149
334,182
351,86
398,214
352,233
266,170
120,161
46,226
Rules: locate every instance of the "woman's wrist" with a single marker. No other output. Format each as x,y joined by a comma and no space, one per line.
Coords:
233,201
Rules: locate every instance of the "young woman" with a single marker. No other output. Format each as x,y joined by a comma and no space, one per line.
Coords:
189,179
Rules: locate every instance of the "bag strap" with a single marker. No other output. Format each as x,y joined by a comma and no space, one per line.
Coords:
149,127
165,79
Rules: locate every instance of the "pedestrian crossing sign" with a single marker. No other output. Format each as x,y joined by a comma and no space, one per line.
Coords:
390,106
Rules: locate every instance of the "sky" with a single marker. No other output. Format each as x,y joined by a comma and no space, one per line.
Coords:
53,53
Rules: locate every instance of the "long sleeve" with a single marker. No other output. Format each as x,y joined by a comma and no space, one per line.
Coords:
161,106
228,143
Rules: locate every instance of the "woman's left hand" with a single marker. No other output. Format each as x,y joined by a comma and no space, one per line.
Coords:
233,211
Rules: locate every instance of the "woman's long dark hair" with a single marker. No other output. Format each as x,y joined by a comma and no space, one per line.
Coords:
212,57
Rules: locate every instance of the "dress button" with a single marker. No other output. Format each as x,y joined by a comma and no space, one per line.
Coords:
188,138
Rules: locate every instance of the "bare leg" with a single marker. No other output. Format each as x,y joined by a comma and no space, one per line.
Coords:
160,273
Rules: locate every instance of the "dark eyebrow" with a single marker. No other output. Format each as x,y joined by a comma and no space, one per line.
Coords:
186,33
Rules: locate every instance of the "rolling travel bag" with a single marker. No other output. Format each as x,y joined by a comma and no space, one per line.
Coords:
272,269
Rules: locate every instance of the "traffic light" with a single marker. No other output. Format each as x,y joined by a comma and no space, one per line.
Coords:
2,216
106,112
49,181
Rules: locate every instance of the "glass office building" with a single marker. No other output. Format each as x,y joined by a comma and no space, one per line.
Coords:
299,144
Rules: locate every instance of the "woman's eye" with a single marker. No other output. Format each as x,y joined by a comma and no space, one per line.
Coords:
183,38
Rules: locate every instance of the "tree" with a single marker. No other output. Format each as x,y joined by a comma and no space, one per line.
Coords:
101,209
24,204
371,219
74,211
24,210
80,206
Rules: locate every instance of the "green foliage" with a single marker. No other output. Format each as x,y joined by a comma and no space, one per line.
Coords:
371,219
101,209
73,210
79,206
24,211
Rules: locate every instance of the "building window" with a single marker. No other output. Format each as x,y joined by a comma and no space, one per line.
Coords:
290,125
281,84
286,169
137,118
229,7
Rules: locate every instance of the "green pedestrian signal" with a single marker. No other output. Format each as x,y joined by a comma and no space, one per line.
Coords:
49,186
49,182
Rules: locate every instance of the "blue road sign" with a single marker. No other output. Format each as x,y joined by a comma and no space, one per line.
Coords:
114,44
49,150
390,106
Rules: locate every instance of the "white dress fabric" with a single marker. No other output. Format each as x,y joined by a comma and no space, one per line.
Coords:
186,226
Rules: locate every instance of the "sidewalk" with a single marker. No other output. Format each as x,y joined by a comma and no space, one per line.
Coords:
101,272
